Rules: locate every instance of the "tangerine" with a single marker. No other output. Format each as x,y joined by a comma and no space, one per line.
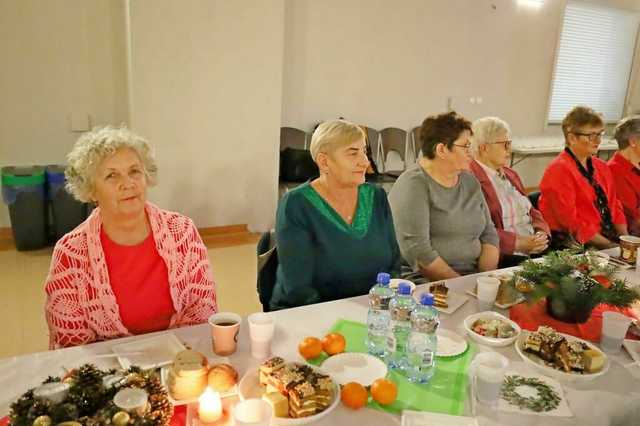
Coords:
310,347
354,395
333,343
384,391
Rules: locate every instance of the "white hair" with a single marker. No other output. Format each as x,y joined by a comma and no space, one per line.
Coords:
486,130
91,149
332,134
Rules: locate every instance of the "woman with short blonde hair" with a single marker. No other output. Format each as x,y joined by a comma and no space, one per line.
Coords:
130,268
520,226
335,233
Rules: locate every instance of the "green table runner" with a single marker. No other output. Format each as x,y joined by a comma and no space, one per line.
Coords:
445,393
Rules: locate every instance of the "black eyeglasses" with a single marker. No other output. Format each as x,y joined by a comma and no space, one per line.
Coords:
592,137
507,143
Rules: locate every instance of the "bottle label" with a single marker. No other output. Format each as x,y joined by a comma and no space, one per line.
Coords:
391,342
427,359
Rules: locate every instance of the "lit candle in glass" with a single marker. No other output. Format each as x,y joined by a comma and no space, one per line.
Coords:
210,406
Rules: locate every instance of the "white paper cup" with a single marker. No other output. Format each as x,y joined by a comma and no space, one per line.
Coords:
487,292
252,412
261,329
614,328
487,374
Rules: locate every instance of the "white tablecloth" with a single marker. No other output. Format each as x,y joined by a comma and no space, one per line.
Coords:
613,399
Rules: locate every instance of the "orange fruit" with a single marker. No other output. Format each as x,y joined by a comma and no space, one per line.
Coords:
333,343
384,391
310,347
354,395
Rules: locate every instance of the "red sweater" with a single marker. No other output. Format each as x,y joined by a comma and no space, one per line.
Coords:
568,201
627,181
507,239
140,281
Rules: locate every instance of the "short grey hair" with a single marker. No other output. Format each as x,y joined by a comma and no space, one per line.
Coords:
486,130
625,129
93,147
332,134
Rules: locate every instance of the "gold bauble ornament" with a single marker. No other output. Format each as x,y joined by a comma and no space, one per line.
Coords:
42,421
524,286
121,418
69,424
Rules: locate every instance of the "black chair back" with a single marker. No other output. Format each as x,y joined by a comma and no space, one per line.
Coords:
534,197
267,267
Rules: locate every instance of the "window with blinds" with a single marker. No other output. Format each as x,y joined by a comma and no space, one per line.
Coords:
594,60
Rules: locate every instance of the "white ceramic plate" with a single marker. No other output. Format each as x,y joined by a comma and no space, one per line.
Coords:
426,418
394,282
450,343
490,341
539,364
249,387
354,367
152,352
499,305
164,378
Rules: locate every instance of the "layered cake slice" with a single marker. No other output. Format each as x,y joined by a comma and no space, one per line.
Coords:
302,401
440,292
268,367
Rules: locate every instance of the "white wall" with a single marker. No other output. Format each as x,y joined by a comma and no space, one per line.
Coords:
384,63
57,58
207,92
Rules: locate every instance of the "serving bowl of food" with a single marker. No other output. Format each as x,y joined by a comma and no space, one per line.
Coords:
491,329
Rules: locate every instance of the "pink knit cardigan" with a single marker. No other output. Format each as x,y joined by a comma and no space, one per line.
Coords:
81,306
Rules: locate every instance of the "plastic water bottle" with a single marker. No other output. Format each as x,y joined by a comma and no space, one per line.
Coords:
423,341
378,316
400,308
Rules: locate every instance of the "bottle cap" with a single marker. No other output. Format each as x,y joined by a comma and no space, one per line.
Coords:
426,299
383,278
404,288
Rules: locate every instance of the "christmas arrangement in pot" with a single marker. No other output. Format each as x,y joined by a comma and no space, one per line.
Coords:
573,284
89,396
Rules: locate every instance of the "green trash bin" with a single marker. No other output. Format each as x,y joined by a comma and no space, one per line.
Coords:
23,190
66,211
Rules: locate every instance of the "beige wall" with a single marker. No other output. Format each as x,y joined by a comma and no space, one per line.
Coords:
213,80
58,58
207,92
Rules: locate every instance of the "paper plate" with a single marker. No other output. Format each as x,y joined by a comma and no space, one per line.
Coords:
450,343
354,367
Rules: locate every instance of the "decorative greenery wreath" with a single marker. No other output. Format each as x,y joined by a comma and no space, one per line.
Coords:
546,400
89,400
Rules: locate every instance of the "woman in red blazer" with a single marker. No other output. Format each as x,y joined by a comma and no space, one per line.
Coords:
520,226
579,197
625,168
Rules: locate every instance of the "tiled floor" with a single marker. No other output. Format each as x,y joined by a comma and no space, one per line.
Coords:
22,275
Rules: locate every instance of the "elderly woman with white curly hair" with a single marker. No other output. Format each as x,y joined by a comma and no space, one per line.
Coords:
334,233
131,267
520,226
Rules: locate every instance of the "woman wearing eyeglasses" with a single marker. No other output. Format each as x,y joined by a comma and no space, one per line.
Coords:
442,221
520,226
625,167
579,198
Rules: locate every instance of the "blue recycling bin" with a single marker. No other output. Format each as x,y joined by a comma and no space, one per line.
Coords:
65,211
23,190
